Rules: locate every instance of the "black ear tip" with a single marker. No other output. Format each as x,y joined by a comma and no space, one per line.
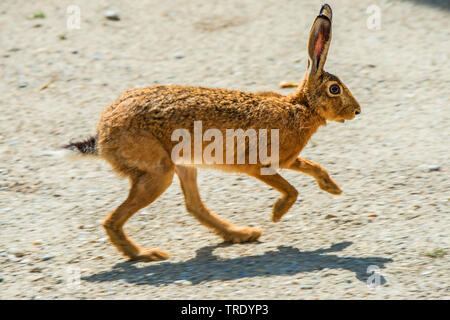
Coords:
326,11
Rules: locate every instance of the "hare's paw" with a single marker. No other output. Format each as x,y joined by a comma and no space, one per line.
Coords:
282,206
150,254
241,234
329,185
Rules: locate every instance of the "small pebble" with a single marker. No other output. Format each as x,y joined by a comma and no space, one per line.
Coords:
23,85
306,287
36,270
13,258
47,257
178,55
124,282
427,272
434,167
16,252
112,15
183,282
348,286
36,278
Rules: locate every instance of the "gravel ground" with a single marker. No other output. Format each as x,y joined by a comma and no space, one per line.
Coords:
392,161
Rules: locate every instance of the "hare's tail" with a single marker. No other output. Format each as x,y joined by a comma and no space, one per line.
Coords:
86,147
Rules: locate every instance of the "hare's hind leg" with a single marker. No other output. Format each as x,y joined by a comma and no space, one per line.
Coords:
150,175
318,172
145,188
195,206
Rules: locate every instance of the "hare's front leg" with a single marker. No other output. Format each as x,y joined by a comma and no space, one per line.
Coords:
318,172
290,194
195,206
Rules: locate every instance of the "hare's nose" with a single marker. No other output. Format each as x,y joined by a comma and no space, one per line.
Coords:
357,112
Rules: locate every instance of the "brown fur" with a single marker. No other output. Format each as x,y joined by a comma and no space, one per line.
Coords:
134,136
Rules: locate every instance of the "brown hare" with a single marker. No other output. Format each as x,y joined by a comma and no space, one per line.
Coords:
135,135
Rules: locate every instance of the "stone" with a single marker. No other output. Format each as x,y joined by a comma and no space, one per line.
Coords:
178,55
16,252
183,282
47,257
112,15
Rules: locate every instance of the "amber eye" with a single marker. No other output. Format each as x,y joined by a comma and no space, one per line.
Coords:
335,89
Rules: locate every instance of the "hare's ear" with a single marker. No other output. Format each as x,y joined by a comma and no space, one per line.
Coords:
319,40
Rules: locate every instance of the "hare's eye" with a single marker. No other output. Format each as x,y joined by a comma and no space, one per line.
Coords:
335,89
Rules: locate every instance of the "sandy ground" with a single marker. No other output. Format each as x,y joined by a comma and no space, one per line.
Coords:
392,161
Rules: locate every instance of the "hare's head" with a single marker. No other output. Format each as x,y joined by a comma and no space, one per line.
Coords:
322,90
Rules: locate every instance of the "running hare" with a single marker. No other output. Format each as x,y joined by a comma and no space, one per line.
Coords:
135,135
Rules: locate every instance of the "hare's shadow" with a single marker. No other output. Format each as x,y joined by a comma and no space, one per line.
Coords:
441,4
205,266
